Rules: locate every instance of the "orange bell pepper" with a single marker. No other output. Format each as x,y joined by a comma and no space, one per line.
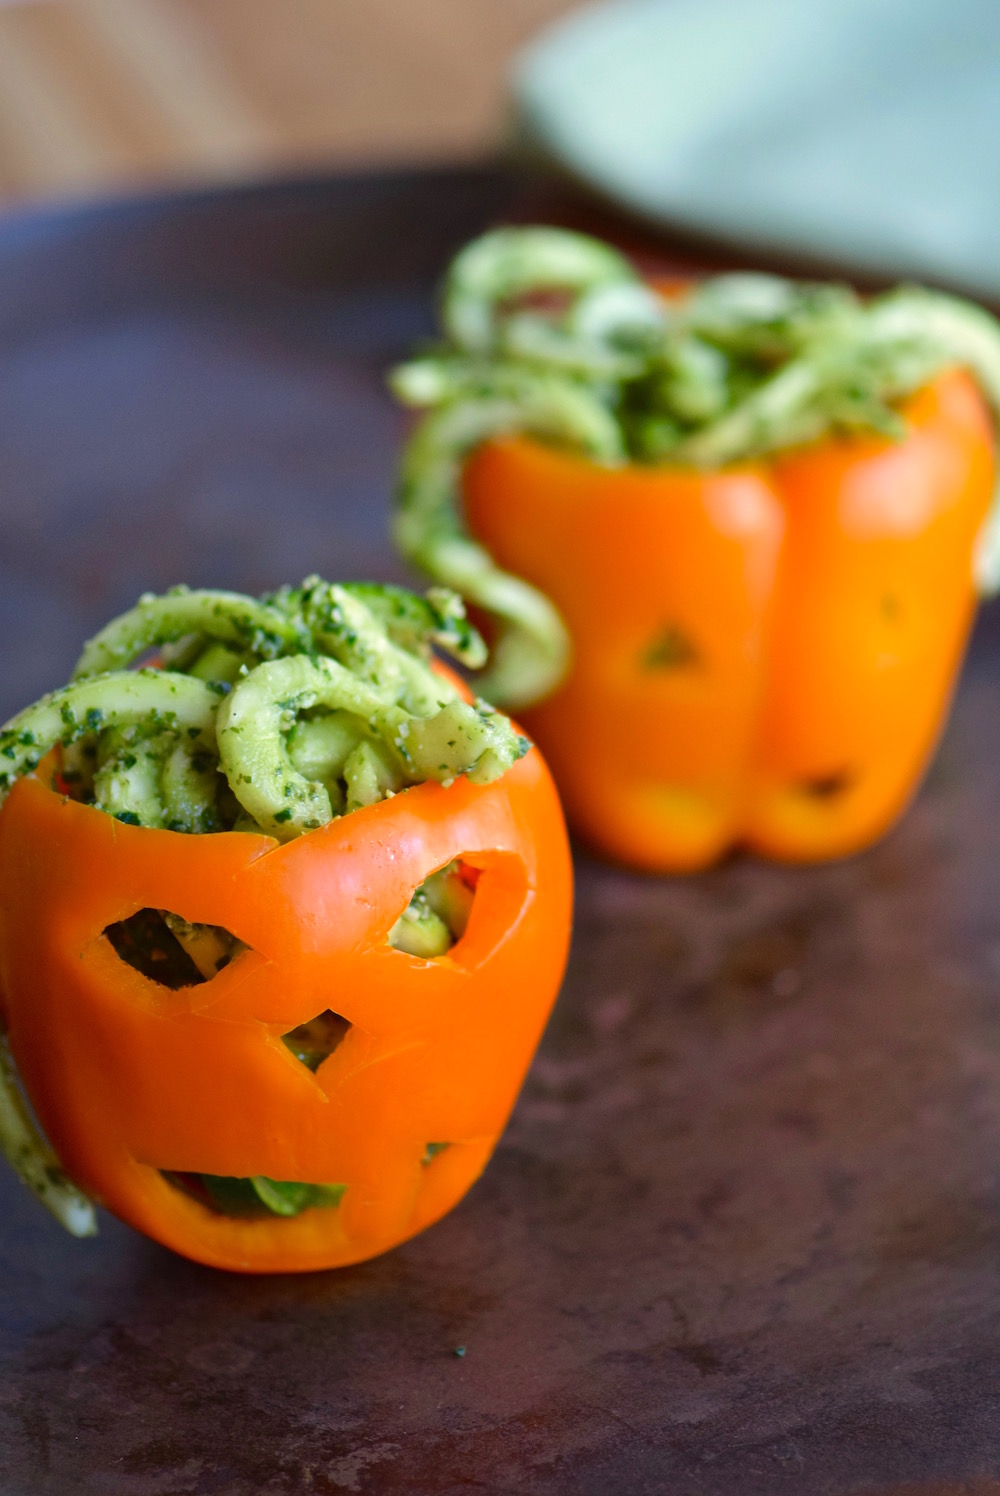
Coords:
281,921
133,1081
761,655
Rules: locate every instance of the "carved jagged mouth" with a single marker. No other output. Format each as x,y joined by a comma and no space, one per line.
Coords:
257,1197
828,786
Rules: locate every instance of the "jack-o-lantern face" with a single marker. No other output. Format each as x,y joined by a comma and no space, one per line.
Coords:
137,1082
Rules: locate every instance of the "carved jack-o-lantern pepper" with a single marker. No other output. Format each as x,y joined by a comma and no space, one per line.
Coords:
730,535
291,1039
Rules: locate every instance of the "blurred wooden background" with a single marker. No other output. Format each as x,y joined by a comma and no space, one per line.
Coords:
100,96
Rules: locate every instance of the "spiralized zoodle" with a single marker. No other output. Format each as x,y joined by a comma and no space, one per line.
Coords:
554,335
272,715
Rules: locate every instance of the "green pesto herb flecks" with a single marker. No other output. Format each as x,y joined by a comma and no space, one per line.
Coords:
554,335
274,715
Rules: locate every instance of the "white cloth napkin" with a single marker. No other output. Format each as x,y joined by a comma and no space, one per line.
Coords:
865,132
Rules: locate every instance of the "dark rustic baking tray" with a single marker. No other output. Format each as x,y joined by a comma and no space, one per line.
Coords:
743,1233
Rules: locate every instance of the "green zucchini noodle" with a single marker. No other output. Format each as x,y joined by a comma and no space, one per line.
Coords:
274,715
33,1160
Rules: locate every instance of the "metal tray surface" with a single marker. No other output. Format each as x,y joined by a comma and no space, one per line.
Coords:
743,1233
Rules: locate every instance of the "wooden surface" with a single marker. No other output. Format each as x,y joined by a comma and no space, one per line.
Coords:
98,96
742,1237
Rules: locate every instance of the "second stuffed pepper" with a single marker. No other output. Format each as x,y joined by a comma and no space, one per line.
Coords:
729,535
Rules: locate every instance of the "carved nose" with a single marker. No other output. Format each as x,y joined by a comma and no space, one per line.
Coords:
313,1042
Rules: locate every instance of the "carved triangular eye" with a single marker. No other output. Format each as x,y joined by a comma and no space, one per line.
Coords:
172,951
313,1042
437,914
671,649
